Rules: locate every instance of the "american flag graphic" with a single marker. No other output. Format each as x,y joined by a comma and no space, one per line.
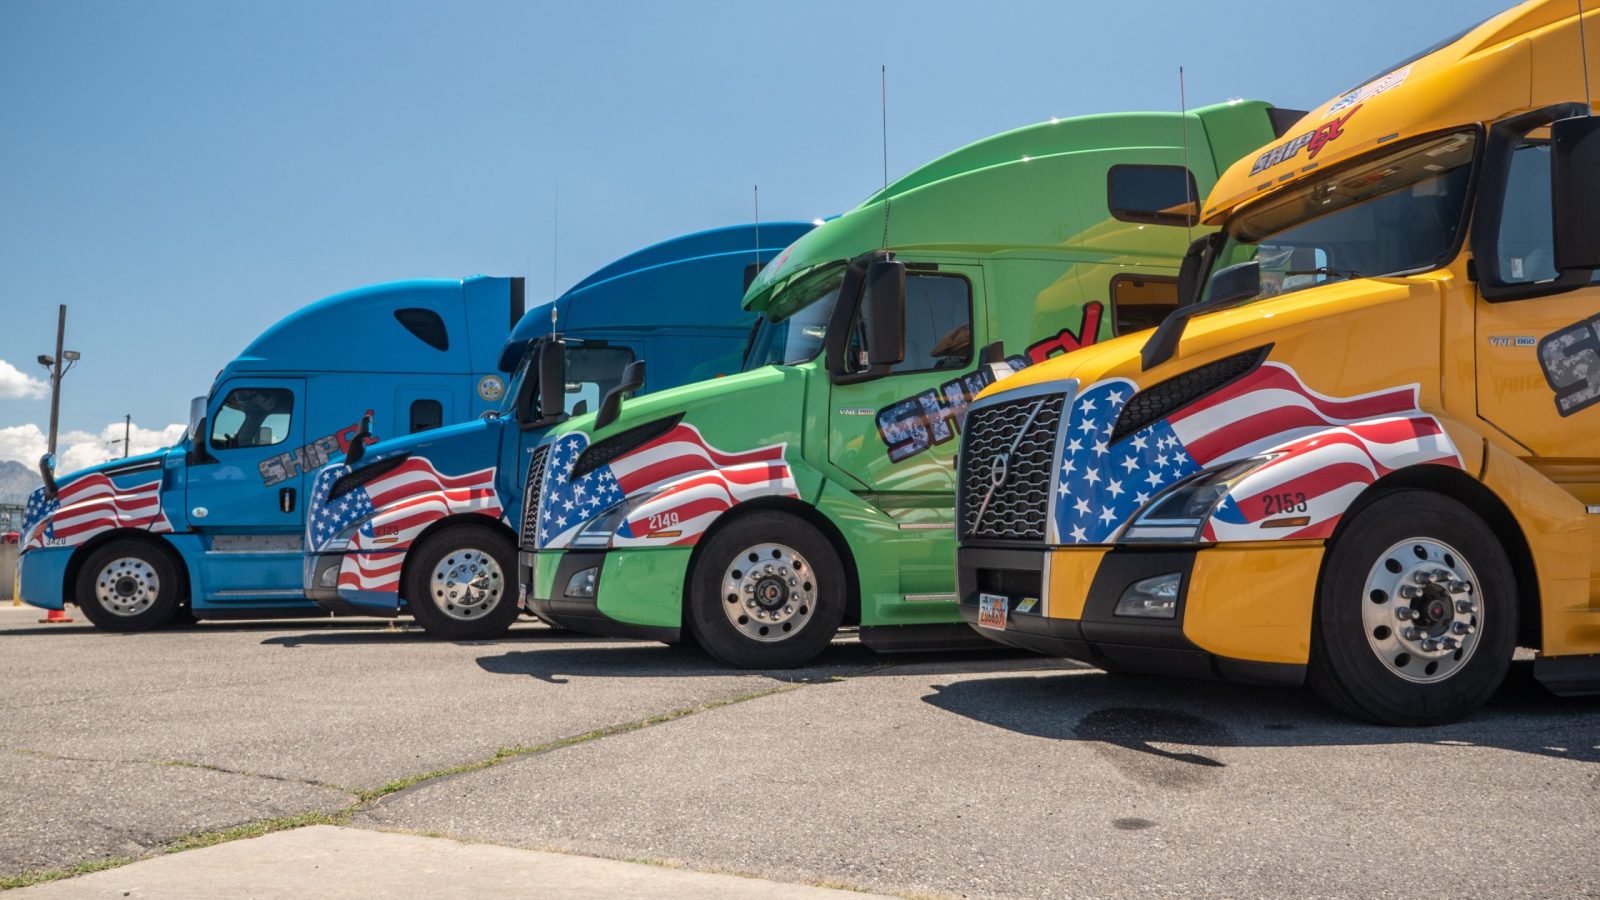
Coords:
396,507
90,505
1326,451
692,483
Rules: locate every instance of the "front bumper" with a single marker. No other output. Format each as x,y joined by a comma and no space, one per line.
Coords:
41,576
322,586
638,593
1225,626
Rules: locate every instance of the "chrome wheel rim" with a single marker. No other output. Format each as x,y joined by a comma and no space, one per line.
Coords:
1422,611
769,592
467,584
127,586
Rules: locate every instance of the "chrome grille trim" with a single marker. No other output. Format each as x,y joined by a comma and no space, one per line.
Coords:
1024,425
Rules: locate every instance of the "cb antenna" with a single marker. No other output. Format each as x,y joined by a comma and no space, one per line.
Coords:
1583,42
756,189
555,241
883,108
1191,209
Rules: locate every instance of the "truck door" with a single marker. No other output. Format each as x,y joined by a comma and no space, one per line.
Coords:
1538,372
898,434
254,440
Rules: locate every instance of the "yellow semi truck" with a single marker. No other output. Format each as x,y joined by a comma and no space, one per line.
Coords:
1366,453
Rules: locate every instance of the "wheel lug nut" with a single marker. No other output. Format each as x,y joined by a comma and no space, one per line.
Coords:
1430,644
1409,592
1449,643
1465,606
1459,587
1461,628
1404,613
1412,634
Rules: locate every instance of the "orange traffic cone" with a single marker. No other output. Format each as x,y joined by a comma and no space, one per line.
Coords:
54,616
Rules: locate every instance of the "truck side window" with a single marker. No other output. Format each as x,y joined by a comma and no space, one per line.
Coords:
426,325
426,414
1526,245
252,417
1152,195
1142,301
938,323
591,373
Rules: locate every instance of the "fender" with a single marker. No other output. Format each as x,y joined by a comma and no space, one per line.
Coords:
671,489
94,504
386,515
1317,454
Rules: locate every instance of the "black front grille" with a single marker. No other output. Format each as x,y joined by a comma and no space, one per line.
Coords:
530,498
1164,398
1024,432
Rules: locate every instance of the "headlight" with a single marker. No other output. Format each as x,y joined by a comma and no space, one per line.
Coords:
601,529
1179,513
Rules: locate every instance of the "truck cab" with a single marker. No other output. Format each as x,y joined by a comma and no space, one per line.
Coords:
426,524
764,510
1367,455
215,523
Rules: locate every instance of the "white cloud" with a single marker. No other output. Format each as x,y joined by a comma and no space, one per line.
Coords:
77,449
18,385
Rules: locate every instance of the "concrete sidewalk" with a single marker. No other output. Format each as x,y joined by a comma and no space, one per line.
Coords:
330,862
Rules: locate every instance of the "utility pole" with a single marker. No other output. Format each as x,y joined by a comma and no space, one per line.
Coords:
54,365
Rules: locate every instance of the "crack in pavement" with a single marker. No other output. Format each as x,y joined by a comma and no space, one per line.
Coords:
185,764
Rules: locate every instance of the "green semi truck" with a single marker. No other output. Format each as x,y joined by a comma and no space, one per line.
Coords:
815,488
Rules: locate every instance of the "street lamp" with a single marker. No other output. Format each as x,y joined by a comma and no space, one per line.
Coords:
53,363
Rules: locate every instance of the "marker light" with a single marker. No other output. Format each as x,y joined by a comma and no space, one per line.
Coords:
1152,598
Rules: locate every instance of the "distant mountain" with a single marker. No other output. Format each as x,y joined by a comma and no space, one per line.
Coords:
17,481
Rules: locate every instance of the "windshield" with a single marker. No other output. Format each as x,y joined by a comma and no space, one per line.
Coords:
1398,213
796,320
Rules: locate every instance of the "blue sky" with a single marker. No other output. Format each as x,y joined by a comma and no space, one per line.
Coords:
182,174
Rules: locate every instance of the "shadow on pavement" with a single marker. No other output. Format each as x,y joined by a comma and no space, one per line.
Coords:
561,664
557,663
412,634
1176,720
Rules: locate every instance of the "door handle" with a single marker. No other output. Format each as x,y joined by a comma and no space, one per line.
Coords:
286,499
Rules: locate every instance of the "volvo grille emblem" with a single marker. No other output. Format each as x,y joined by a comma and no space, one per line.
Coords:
1000,469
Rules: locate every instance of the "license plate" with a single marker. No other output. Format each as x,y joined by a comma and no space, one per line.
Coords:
992,611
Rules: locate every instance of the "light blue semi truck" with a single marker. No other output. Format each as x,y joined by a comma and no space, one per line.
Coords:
215,524
426,524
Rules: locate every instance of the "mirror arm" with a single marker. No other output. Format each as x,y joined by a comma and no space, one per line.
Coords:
358,442
47,471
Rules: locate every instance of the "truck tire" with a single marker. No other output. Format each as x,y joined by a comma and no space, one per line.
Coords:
461,583
767,592
1416,613
127,585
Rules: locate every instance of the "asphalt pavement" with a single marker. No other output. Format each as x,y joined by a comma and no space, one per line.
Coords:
991,774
